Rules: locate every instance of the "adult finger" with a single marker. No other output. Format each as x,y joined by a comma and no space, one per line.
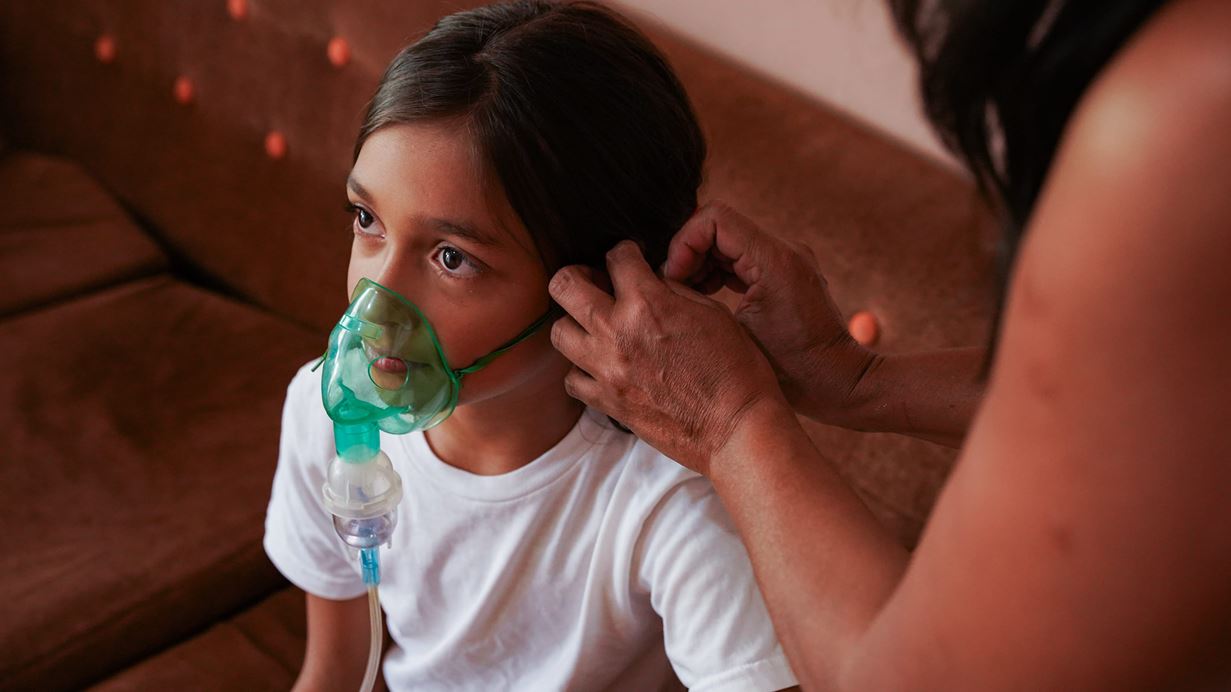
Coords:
574,291
579,385
719,272
628,270
709,281
689,251
692,294
715,233
571,341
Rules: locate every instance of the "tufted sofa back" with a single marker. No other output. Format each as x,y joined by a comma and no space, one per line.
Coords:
171,105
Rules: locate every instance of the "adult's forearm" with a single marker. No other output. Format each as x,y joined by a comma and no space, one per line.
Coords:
824,564
932,395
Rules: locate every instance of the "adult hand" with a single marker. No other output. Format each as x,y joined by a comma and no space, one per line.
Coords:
784,303
669,363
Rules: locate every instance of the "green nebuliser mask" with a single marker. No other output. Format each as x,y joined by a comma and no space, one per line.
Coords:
386,370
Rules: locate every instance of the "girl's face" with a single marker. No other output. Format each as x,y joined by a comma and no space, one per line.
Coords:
430,224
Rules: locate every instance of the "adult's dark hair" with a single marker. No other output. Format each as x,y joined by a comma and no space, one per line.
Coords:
577,114
1000,80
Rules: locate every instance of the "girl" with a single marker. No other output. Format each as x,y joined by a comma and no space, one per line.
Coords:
540,547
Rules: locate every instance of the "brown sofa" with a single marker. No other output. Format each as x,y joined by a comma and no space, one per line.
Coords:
162,276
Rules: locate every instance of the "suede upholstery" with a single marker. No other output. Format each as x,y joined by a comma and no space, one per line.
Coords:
62,235
162,276
259,650
143,423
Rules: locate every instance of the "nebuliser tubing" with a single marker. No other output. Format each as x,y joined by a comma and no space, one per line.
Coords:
377,633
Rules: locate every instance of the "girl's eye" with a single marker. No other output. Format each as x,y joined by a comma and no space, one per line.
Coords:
451,258
455,262
363,220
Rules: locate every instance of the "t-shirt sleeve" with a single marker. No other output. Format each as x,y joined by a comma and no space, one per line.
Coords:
299,536
716,628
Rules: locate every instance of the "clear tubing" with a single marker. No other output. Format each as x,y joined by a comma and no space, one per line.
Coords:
369,677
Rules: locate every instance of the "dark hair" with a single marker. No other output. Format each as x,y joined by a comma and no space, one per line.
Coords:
1000,80
577,114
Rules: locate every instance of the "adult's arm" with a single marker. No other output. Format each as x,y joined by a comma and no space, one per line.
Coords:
825,374
1084,538
931,395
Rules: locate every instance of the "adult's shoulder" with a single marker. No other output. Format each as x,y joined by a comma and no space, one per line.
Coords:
1164,98
1138,187
1184,47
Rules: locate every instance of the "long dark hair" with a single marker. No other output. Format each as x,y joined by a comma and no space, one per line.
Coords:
577,114
1000,80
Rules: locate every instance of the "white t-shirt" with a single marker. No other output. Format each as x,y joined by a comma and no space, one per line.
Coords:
577,571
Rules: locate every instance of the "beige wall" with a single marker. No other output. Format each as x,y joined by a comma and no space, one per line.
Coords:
843,52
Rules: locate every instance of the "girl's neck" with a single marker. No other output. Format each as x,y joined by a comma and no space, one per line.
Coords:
508,431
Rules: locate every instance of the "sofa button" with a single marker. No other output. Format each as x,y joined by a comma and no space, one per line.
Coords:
183,90
275,145
338,51
104,49
238,9
864,328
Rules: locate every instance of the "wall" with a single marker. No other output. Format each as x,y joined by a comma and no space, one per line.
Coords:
843,52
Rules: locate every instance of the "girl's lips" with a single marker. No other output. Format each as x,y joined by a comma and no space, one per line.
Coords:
391,365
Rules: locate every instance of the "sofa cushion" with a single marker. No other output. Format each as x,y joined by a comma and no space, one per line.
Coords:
259,649
61,234
141,433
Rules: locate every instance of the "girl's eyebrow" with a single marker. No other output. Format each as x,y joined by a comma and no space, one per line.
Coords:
462,230
455,228
357,188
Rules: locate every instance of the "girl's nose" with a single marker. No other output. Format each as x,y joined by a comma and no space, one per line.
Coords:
395,270
398,274
391,281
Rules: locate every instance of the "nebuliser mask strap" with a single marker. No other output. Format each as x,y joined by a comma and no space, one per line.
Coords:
500,350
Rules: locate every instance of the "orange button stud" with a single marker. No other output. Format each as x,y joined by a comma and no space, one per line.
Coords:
275,145
104,49
183,90
338,51
864,328
238,9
